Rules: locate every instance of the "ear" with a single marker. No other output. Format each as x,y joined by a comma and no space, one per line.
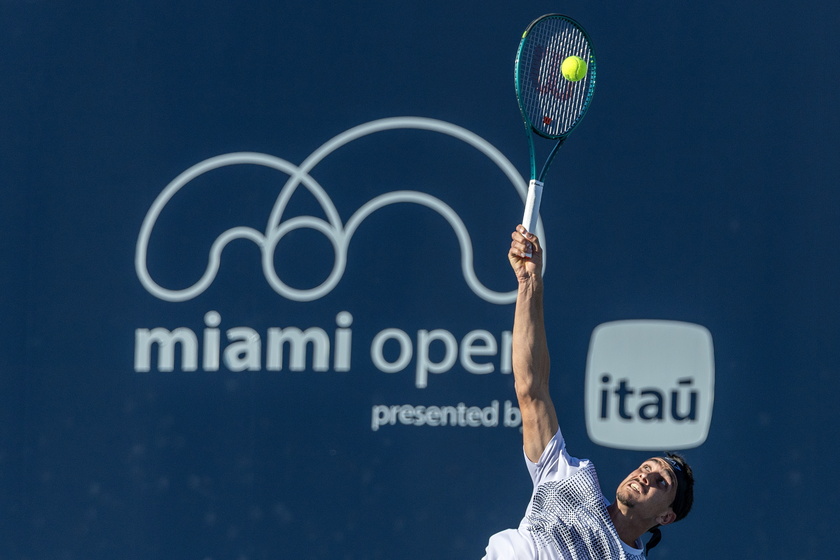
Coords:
667,517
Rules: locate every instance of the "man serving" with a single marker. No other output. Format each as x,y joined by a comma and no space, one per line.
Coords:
568,517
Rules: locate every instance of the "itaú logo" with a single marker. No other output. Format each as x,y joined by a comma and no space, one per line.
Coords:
649,385
337,232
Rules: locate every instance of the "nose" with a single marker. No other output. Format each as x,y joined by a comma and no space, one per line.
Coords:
650,479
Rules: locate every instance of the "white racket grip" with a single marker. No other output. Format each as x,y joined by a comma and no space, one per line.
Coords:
532,206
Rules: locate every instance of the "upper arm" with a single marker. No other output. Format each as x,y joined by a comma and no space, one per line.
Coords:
539,423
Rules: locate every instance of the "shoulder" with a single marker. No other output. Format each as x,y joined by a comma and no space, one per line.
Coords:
555,463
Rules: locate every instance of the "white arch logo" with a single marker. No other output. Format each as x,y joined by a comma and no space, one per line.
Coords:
338,233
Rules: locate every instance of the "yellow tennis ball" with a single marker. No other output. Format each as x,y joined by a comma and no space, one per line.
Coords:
573,68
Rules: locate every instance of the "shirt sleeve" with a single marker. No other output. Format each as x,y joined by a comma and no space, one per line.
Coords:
554,463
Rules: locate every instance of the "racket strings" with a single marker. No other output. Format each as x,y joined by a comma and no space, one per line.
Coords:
553,104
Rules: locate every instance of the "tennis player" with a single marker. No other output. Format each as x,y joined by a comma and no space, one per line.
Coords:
568,516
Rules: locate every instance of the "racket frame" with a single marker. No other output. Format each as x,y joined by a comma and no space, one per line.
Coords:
535,185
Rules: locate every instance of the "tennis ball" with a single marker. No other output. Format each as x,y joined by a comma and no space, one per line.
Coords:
573,68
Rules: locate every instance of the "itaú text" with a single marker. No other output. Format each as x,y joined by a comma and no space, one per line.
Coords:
392,350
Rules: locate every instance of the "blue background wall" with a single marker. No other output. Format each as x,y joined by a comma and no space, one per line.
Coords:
701,187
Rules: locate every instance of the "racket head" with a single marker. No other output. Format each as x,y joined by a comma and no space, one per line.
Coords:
551,105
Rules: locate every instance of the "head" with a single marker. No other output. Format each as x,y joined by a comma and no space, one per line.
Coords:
659,492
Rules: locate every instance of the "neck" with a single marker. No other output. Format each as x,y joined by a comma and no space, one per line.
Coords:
629,528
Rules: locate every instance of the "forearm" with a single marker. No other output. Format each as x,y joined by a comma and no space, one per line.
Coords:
531,367
530,348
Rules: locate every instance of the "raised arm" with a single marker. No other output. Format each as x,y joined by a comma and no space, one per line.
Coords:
531,363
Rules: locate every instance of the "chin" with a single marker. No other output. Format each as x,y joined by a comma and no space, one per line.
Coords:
624,499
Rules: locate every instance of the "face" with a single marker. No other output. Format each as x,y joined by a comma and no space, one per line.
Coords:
649,490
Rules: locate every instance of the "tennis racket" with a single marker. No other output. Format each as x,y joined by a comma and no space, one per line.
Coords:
551,105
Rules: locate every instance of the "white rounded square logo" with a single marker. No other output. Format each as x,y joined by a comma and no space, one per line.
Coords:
649,385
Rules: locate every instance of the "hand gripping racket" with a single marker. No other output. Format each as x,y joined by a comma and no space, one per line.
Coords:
551,104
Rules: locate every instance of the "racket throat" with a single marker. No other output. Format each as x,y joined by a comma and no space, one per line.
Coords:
550,158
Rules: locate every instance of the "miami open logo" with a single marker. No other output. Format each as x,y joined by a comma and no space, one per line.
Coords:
213,345
337,232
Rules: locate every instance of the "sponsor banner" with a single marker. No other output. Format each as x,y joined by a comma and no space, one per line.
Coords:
649,385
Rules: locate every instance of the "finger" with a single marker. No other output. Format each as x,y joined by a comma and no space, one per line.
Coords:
523,233
532,240
519,245
520,250
521,236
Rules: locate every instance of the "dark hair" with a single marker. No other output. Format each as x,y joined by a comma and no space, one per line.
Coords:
685,494
685,485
